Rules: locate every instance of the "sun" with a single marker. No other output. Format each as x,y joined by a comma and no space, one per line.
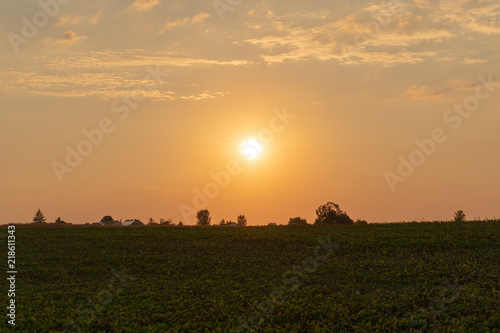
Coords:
251,149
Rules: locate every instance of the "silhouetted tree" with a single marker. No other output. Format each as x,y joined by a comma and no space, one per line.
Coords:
166,222
107,218
297,221
58,220
39,217
358,221
330,213
222,222
271,224
459,216
152,221
180,223
242,221
203,217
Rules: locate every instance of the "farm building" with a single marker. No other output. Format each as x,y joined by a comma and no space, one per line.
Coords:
132,222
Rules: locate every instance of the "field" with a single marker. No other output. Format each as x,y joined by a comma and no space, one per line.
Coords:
415,277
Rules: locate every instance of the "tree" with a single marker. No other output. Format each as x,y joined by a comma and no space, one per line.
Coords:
203,217
180,223
242,221
58,220
297,221
330,213
152,221
222,222
107,218
166,222
358,221
39,217
459,216
271,224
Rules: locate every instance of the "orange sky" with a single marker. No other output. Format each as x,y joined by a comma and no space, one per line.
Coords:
393,109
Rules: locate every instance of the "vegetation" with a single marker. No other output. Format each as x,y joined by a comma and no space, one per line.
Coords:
166,222
242,221
330,213
107,218
59,220
414,277
39,217
459,216
203,217
297,221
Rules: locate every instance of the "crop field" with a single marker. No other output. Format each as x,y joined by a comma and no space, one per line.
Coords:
415,277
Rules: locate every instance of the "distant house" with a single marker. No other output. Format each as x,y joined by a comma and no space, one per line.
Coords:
132,222
117,223
232,224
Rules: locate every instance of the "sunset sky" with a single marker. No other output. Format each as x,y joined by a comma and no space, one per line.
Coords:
336,92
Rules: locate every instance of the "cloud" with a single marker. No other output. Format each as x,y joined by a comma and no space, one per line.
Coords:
198,18
116,60
106,75
69,37
74,19
422,92
400,39
468,61
381,34
487,28
330,41
143,5
107,86
479,17
205,95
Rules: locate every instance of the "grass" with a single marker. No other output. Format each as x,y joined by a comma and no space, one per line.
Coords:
415,277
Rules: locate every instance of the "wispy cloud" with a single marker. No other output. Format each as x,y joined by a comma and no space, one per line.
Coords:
468,61
198,18
416,32
479,17
70,37
110,60
422,92
106,75
370,41
75,19
143,5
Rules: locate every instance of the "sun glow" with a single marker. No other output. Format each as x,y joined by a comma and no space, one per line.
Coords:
251,149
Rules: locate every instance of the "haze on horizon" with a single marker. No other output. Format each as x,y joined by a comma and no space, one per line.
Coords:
366,85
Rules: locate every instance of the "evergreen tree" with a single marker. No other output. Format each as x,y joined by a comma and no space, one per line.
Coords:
39,217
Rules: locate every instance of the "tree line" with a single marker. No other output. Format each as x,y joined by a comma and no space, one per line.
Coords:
327,214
